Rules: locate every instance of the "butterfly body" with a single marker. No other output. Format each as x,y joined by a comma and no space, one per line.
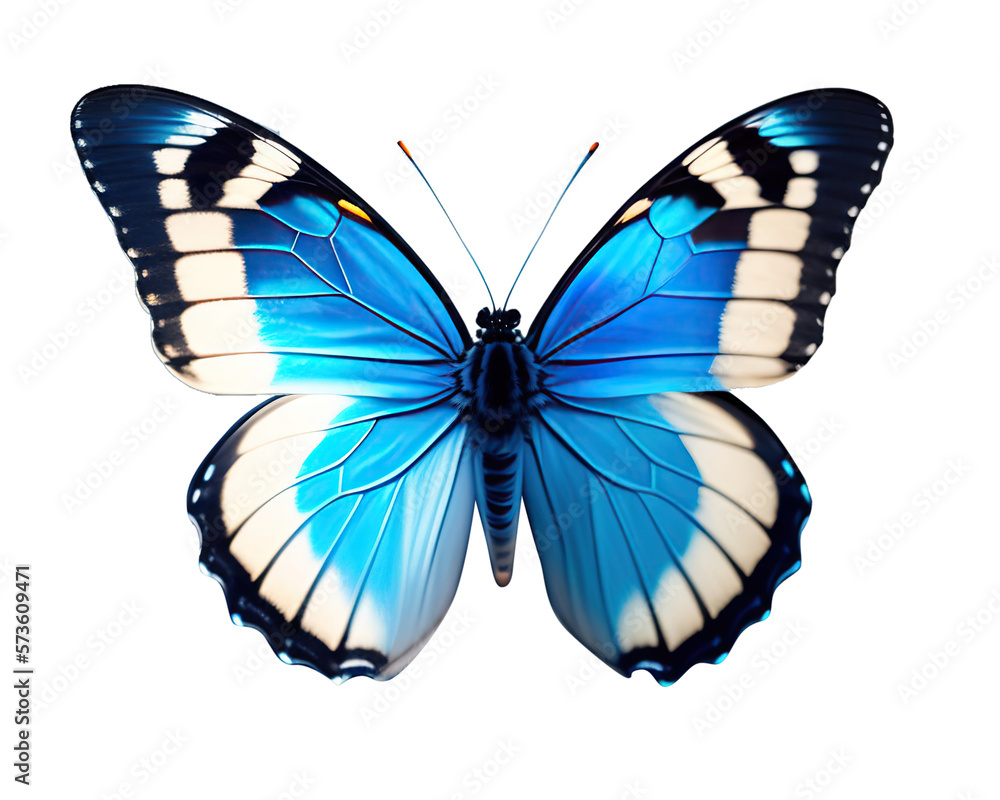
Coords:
664,511
498,389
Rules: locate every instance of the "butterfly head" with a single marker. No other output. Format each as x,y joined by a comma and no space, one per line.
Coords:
499,325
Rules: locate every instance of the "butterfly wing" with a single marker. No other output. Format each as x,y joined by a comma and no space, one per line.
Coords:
338,526
663,523
336,522
263,272
666,513
717,273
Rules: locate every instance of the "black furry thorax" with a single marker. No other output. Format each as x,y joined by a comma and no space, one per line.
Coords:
497,377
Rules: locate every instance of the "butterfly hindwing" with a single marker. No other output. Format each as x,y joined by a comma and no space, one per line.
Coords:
262,271
717,273
663,523
338,526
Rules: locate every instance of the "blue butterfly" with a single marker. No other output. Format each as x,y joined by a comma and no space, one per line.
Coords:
336,515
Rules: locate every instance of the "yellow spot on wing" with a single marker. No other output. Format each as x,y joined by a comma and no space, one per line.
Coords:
353,209
634,210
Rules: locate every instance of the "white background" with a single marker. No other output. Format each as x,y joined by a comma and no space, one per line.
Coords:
133,647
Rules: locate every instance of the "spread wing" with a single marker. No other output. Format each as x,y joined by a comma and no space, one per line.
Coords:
338,526
663,522
263,273
717,273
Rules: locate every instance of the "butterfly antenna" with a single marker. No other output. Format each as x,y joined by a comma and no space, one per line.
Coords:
420,172
586,158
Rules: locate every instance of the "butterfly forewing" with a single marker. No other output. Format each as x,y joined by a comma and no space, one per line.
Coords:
262,271
718,272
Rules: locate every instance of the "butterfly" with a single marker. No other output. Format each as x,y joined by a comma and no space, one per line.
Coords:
336,514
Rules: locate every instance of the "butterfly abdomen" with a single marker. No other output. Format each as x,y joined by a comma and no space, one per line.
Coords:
498,467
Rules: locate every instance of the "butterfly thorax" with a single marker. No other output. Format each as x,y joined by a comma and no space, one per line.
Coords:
497,377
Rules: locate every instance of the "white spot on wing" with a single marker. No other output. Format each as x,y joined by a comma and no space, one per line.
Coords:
712,158
183,140
209,276
221,326
282,418
735,371
698,151
326,616
265,530
741,192
200,230
763,274
248,373
243,193
712,575
800,193
291,575
687,413
725,172
756,327
737,474
739,534
804,162
261,173
778,229
174,193
270,157
635,627
676,608
634,210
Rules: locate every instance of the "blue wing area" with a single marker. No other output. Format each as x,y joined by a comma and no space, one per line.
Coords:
262,271
663,522
717,273
338,526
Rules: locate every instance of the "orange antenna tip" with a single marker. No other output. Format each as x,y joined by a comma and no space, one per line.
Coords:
405,149
593,147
